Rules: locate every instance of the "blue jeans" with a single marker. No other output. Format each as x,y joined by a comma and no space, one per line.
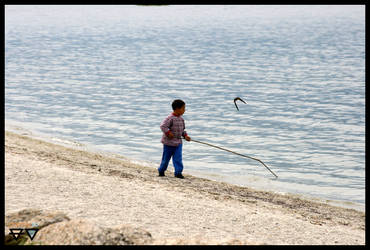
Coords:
176,153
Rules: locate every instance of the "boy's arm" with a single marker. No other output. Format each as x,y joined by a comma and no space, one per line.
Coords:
185,135
165,127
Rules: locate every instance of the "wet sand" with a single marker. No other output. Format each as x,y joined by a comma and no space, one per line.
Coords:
111,190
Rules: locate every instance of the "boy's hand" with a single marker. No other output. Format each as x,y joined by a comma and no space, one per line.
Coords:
187,138
170,135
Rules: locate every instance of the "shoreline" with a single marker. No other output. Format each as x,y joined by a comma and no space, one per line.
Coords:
18,129
91,185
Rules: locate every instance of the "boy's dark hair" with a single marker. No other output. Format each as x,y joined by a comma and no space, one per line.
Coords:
177,104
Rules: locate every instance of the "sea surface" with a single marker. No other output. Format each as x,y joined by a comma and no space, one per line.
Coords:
105,76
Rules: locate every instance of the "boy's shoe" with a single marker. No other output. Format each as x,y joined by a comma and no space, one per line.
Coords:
179,176
161,173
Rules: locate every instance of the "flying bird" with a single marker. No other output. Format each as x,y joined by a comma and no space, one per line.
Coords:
238,98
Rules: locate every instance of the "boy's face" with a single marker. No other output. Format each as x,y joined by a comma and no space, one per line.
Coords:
180,111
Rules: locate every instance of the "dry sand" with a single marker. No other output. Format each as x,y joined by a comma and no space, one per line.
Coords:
112,191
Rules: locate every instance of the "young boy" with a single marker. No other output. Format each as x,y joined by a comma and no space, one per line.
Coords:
173,127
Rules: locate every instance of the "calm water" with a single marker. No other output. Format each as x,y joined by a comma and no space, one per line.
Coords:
106,76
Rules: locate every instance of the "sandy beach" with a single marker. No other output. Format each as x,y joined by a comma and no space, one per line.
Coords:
112,190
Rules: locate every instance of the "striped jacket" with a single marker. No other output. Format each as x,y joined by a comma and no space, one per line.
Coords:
176,125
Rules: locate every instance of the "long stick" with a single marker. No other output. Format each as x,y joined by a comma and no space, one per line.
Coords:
236,154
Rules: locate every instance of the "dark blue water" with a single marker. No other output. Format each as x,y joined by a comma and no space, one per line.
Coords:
106,76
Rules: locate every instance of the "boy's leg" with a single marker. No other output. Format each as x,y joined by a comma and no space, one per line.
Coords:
177,160
166,156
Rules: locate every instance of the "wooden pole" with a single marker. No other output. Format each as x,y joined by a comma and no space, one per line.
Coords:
208,144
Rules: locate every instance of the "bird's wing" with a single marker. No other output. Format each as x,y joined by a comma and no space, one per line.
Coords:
238,98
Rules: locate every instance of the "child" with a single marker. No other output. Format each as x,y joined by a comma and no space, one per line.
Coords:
173,127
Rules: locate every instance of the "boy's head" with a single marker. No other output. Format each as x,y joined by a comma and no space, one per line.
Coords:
178,106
